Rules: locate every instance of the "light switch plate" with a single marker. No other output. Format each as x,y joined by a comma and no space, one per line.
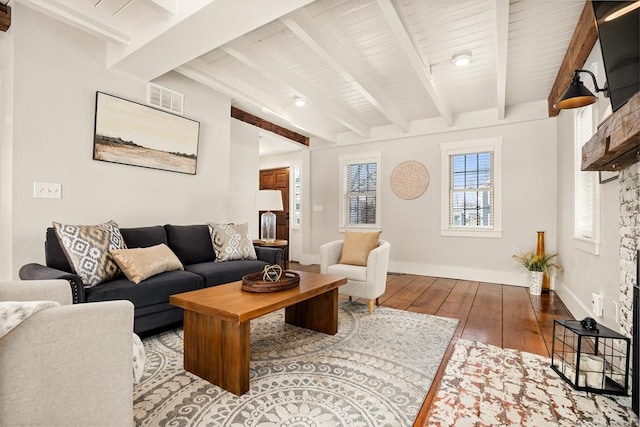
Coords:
47,190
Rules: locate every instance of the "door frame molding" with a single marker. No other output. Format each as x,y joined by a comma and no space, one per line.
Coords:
296,236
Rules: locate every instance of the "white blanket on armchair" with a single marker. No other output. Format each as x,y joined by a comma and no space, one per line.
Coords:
12,313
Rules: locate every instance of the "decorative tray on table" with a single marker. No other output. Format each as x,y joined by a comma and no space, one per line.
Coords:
270,280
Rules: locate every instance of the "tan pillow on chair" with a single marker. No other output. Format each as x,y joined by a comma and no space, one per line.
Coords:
357,245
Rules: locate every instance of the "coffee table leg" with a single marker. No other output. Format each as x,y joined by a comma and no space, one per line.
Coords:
319,313
218,351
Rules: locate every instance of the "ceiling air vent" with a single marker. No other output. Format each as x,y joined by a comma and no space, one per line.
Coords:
165,99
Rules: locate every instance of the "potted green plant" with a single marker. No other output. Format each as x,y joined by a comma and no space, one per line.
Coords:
537,265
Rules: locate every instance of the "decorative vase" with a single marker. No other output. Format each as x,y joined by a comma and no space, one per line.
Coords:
540,252
535,282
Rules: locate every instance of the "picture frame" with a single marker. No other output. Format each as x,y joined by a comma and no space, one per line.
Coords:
134,134
607,176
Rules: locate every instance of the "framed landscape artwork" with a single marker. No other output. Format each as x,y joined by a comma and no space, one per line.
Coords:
134,134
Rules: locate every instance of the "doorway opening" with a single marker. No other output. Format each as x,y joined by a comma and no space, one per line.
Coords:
278,179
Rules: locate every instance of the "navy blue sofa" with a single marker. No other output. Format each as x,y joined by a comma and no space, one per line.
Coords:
191,244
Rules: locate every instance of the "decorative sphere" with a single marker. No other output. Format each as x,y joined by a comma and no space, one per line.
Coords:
271,273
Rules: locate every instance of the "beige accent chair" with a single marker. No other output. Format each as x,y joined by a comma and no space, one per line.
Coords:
368,281
69,365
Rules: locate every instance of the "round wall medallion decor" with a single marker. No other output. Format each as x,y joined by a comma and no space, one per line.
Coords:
409,180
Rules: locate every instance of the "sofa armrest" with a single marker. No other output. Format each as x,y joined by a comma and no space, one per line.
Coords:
330,254
270,255
35,271
36,290
69,365
378,264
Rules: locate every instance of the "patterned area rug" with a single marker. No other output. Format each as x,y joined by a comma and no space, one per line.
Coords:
375,371
484,385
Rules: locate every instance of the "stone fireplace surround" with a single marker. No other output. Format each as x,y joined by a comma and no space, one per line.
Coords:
629,246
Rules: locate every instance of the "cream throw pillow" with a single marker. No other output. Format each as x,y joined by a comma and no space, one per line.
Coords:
357,245
231,242
141,263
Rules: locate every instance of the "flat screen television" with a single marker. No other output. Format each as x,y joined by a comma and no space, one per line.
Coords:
620,44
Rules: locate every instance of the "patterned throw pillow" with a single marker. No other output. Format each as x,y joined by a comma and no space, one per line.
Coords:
231,242
87,250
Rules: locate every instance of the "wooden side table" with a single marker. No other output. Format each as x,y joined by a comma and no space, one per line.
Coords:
280,244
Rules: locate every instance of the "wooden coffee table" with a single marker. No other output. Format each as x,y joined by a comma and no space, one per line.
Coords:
217,323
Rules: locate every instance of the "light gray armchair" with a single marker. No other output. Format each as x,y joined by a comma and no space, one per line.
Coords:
69,365
368,281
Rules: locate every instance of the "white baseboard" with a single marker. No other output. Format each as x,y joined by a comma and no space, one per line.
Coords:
445,271
308,259
460,273
577,309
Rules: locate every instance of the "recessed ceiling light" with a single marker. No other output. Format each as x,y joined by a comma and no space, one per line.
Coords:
299,102
461,59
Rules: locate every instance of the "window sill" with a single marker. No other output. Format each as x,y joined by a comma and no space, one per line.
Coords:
368,227
491,234
587,245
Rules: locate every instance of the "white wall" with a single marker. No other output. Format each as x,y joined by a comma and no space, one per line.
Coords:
413,226
244,175
586,273
6,155
58,70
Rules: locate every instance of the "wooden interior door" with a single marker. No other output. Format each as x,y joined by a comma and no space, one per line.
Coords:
278,179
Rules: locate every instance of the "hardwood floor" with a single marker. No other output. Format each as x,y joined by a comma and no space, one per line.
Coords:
500,315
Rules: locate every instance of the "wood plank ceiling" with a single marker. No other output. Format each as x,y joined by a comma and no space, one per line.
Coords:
361,65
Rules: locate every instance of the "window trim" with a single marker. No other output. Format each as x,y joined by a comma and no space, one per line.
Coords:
349,159
586,244
448,149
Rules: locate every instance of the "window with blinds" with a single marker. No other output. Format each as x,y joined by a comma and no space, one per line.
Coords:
471,196
360,195
297,197
471,190
586,183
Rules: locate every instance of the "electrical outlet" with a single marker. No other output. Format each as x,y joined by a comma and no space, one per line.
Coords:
597,306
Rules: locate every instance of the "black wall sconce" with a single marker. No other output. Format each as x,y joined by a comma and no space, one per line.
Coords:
577,95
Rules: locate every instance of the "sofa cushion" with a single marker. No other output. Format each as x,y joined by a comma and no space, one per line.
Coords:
154,290
143,237
190,243
217,273
87,250
231,242
351,272
139,264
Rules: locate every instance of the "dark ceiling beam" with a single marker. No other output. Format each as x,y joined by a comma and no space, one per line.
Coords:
243,116
5,17
581,45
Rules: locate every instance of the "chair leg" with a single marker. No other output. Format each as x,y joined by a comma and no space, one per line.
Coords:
378,301
350,299
371,306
